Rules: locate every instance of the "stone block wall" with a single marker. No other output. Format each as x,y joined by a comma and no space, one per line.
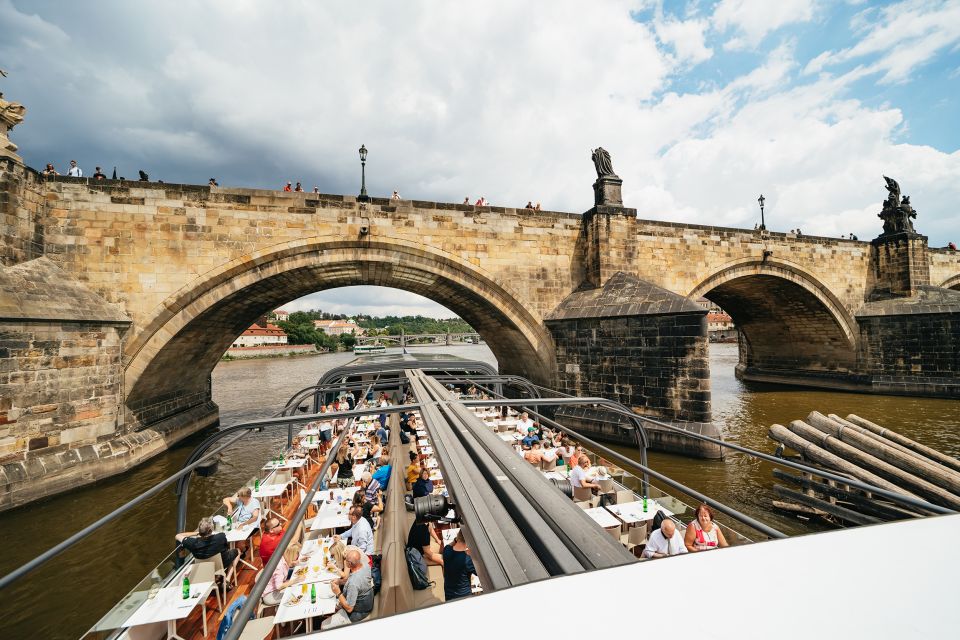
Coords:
655,364
901,263
908,351
21,213
60,386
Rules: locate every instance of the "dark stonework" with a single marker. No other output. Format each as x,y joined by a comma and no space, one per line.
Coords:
607,192
636,343
901,264
911,346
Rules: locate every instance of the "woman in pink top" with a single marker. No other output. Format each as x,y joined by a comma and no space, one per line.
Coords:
703,534
273,593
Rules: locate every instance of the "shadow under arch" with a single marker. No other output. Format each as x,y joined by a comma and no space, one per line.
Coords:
952,283
177,348
788,320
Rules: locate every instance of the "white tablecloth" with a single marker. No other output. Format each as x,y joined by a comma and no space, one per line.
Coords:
169,604
602,517
632,512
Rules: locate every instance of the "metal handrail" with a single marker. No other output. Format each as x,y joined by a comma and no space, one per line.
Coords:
890,495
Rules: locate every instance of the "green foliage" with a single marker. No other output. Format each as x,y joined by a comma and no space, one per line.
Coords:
300,330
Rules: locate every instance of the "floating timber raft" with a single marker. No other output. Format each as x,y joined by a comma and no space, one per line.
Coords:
857,448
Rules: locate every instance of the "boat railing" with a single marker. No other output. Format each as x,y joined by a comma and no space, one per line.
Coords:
682,512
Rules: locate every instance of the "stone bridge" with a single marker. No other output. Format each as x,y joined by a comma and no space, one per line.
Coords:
117,300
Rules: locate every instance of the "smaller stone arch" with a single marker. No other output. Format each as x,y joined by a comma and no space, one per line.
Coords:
790,323
952,283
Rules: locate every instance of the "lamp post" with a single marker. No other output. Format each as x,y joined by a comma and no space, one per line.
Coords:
363,197
763,225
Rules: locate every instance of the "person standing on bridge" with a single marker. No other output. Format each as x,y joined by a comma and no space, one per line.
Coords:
74,171
288,186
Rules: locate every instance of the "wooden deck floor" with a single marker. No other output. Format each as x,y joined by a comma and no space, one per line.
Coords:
191,628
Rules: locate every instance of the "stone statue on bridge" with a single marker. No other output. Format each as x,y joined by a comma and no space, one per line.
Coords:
11,114
896,214
602,162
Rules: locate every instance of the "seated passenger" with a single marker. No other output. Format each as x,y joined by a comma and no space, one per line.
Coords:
578,475
270,538
412,471
703,534
242,507
382,474
204,543
369,485
530,438
370,508
360,534
355,600
273,593
549,454
383,435
665,541
525,424
423,486
534,456
419,538
457,569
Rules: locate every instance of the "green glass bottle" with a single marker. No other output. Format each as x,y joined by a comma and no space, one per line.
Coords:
644,504
256,484
186,587
229,523
313,593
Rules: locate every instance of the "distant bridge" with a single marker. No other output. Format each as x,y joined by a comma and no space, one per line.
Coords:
422,339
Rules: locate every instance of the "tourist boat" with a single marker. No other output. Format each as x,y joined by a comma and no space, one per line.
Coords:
368,349
524,528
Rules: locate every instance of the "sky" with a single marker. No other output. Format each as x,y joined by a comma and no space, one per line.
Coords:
703,104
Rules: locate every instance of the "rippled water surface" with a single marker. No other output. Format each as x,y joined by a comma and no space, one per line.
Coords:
68,595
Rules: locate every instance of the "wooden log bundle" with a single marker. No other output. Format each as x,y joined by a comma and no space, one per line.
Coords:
860,449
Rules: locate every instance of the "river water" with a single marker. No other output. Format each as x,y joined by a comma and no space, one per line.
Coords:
67,596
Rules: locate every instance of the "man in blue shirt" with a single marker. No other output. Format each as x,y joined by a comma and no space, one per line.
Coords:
530,438
383,435
382,475
360,534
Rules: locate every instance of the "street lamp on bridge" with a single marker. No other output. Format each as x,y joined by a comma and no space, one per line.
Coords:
763,225
363,197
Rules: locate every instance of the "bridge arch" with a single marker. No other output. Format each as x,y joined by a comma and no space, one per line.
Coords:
952,283
790,323
174,351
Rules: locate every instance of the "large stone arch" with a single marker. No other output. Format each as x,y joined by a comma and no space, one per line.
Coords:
790,323
952,283
169,356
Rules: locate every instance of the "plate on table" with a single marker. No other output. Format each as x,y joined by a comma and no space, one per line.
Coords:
300,571
294,599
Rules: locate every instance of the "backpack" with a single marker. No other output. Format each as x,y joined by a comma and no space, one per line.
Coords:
404,438
376,572
417,568
658,519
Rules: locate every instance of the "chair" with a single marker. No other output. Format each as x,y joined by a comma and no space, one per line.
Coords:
583,505
257,629
306,521
203,572
582,494
634,537
606,485
625,495
614,532
216,561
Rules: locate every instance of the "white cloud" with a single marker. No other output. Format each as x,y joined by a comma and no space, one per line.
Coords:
752,20
368,300
686,37
500,99
904,36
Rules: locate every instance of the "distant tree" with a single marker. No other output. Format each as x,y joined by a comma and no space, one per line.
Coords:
348,340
